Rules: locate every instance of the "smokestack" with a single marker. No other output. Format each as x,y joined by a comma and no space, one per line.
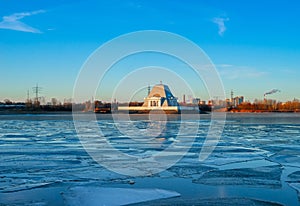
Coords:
273,91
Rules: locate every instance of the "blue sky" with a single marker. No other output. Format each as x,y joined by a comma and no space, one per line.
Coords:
255,45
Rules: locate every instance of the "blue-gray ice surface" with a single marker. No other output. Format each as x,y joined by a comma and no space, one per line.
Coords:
95,196
257,161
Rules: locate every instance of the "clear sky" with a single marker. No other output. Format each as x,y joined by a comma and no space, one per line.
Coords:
254,44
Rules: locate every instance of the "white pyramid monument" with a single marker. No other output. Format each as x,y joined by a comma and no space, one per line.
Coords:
160,97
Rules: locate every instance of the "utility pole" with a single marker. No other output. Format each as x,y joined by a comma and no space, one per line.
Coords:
27,96
36,91
28,101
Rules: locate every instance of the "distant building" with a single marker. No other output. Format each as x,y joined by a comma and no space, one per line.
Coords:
160,96
196,101
101,107
202,102
237,101
228,102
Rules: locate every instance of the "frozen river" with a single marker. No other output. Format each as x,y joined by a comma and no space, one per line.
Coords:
256,162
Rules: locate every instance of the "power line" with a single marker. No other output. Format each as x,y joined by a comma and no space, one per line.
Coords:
36,91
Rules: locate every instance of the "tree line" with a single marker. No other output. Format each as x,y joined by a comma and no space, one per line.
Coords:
268,106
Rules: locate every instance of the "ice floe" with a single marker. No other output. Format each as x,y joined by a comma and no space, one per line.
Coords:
256,177
96,196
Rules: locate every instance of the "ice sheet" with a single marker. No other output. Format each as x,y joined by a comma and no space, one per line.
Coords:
296,186
43,153
294,177
95,196
234,201
256,177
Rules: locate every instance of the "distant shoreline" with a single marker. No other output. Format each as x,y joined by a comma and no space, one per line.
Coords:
230,118
14,112
263,111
